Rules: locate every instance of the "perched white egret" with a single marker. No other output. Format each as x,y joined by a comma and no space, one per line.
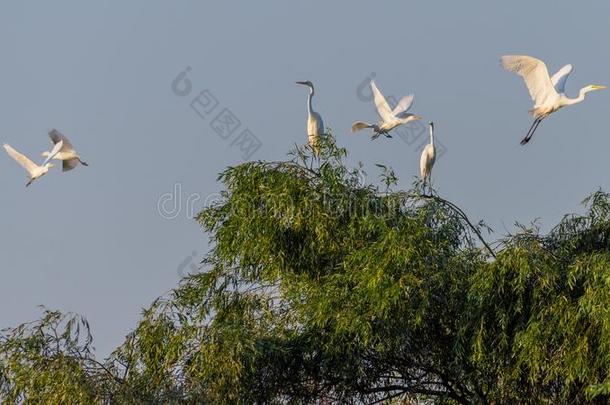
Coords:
34,171
315,125
389,119
548,93
428,156
66,154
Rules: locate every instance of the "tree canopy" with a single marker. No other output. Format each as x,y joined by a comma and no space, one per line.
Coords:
319,288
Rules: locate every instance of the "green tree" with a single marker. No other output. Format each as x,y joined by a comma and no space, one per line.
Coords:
318,288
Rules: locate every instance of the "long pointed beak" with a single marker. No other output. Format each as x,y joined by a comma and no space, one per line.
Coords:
596,87
300,82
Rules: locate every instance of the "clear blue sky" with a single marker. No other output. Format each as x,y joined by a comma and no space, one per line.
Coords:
92,241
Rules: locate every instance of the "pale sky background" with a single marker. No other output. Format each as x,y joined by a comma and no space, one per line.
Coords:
92,240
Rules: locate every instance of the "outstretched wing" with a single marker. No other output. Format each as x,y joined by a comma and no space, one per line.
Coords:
358,125
383,109
54,152
57,136
69,164
535,75
403,105
26,163
559,78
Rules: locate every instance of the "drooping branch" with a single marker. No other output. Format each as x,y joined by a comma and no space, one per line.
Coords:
463,215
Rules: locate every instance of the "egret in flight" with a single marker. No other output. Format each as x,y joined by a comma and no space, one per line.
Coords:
548,93
428,156
66,154
389,119
34,171
315,126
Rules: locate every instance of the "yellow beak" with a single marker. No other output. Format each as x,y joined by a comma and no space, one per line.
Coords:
596,87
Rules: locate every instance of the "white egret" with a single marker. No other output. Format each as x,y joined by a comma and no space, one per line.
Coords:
428,157
389,119
66,154
315,125
548,93
34,171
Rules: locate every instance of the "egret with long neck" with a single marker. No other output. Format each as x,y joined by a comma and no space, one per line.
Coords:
428,157
315,126
548,93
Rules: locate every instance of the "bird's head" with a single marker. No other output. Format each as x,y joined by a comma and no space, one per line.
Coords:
306,83
593,87
431,124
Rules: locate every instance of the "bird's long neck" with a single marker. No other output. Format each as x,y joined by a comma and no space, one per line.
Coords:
581,96
431,135
309,97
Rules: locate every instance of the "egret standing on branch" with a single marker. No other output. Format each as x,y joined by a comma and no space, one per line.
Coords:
67,154
428,156
34,171
548,93
315,126
389,119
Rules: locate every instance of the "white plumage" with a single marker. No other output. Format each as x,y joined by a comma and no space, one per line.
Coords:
548,93
388,118
67,154
428,157
34,171
315,125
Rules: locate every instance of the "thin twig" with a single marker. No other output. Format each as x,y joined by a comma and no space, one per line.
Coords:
464,217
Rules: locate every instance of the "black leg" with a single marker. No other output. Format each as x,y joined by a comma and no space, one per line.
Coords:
534,130
531,131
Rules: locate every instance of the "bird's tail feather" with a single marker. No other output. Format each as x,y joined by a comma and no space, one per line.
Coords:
358,125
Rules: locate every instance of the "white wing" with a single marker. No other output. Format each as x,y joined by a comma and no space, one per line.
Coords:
319,123
26,163
54,152
423,162
383,109
57,136
426,161
535,75
559,78
403,105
